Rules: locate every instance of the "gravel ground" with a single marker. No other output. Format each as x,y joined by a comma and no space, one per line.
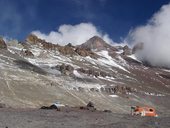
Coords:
75,118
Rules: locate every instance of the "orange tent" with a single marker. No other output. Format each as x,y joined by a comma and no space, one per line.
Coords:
143,111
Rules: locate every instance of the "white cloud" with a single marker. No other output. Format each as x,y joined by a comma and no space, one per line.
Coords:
75,34
156,38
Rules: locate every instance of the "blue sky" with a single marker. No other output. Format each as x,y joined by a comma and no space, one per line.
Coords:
116,17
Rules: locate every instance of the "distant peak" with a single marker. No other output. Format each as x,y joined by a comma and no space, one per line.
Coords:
96,43
96,37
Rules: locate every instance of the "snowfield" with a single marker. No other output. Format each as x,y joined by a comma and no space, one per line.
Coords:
108,60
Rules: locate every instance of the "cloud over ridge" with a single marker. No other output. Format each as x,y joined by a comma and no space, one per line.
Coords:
75,34
156,38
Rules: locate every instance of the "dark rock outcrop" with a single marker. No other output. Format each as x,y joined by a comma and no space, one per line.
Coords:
49,46
70,45
50,107
85,52
66,50
126,51
65,69
27,53
117,89
2,44
108,111
93,72
123,90
33,39
89,106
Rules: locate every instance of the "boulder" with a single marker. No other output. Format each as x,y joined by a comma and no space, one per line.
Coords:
50,107
90,106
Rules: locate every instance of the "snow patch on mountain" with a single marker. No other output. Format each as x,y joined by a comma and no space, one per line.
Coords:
106,78
113,96
166,70
134,58
109,61
77,74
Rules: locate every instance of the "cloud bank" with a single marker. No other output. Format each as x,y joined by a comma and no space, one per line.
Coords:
75,34
156,38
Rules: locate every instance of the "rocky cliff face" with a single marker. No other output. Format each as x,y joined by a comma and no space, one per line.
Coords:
126,51
32,39
65,50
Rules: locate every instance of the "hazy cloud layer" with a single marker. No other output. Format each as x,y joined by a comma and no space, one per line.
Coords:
75,34
156,38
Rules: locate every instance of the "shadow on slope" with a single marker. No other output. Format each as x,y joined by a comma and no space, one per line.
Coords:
28,66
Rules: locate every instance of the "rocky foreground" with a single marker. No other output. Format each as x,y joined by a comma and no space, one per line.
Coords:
76,118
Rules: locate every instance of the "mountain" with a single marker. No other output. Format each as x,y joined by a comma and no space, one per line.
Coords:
36,72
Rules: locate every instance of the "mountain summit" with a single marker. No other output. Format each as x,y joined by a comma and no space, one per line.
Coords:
97,43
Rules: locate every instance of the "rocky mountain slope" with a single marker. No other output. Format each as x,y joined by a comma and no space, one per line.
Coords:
35,73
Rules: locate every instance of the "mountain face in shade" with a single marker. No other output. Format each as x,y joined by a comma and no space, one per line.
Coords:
97,43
